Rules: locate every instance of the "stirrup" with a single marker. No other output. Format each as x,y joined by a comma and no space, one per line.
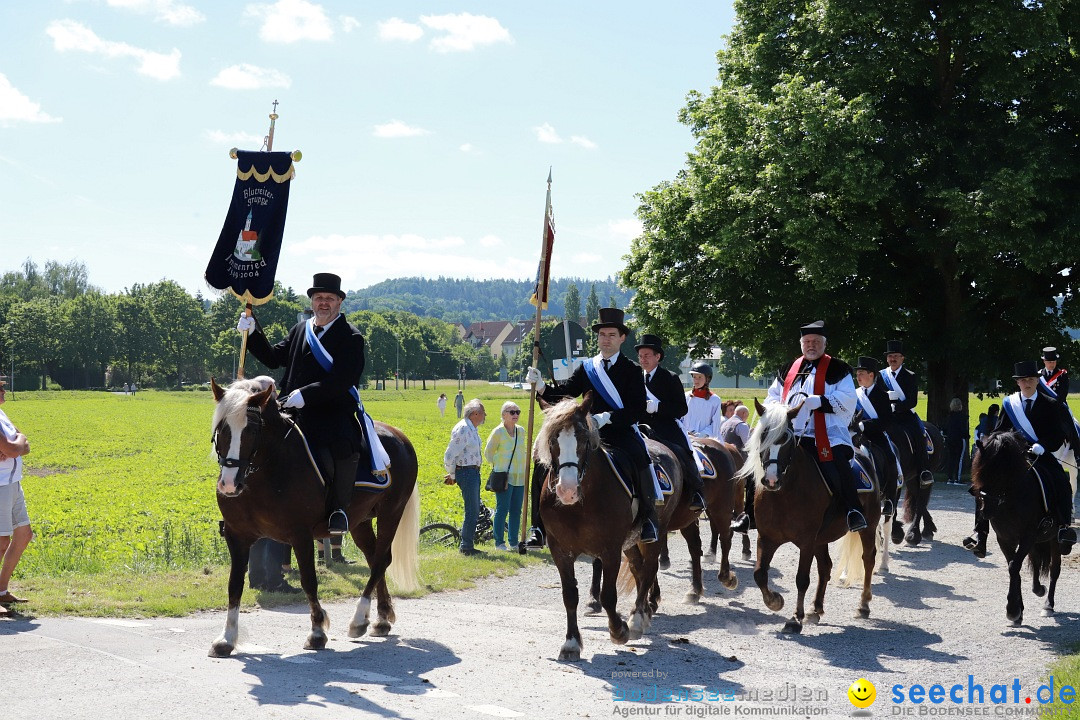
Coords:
887,508
339,523
648,532
926,478
1066,535
536,538
697,503
741,524
855,521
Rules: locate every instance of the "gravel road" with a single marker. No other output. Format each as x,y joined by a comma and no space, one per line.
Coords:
938,617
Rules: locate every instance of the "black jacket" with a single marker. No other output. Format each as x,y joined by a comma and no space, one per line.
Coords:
1061,387
1045,419
329,409
909,384
879,398
664,422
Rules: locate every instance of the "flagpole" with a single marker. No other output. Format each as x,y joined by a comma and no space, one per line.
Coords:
541,292
269,141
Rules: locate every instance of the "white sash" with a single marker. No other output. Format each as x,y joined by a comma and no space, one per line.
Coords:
686,436
865,404
600,375
890,380
1019,417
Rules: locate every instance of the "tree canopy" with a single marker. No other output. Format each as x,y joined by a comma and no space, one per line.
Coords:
900,170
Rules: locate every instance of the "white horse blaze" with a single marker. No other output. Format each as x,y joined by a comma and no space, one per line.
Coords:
227,479
567,486
770,467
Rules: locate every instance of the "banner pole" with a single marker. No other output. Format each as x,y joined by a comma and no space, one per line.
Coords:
540,295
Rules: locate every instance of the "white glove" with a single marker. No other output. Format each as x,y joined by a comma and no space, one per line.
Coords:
862,427
294,400
601,419
533,378
1037,449
893,395
246,323
813,402
652,406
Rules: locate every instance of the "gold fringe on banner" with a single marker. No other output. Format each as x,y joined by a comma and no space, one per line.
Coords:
262,177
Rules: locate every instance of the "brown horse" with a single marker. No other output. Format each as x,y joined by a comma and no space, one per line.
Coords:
269,486
792,504
586,511
1003,480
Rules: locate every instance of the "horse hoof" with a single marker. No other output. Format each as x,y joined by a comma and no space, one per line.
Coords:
709,557
220,650
793,627
622,636
665,563
730,582
897,537
928,535
570,655
594,608
1048,612
356,631
812,619
380,629
862,613
692,598
746,556
912,538
1039,590
315,642
1015,621
775,603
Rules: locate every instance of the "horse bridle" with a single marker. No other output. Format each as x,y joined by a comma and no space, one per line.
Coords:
581,468
243,466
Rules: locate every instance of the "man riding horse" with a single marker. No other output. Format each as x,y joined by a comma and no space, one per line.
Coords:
1054,382
618,389
902,387
874,409
665,404
824,387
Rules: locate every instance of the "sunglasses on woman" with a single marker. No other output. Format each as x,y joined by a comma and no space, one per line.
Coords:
513,412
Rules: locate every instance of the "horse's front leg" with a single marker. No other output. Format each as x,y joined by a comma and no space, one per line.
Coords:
802,583
595,606
824,570
564,561
693,542
929,529
238,556
869,556
642,584
1055,570
665,558
766,548
304,550
609,597
1014,606
378,559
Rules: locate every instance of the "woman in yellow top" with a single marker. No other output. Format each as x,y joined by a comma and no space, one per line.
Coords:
506,450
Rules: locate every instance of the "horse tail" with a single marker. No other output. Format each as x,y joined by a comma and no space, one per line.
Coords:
848,570
625,583
404,568
1039,560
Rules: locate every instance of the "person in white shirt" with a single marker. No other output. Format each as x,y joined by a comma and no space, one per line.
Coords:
462,461
15,531
704,415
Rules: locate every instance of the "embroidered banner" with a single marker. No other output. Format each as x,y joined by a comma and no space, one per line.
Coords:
245,259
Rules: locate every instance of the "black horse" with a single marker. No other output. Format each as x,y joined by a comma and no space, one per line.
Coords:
269,486
1003,481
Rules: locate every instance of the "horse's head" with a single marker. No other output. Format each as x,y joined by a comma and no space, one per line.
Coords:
998,462
772,445
239,418
564,444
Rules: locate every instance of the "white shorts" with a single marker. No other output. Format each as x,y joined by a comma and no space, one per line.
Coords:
12,509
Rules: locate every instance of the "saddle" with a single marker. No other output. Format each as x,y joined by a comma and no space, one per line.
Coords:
365,478
624,469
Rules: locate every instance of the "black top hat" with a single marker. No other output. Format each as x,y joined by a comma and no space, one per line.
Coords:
815,328
653,342
1025,368
611,318
326,282
1050,353
894,346
868,364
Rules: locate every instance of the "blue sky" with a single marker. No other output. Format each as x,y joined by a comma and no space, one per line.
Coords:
427,130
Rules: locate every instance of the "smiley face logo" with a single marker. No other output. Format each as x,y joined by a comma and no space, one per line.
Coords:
862,693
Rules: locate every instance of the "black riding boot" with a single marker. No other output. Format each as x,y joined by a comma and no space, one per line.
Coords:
344,481
842,479
649,525
976,542
697,486
1066,535
745,521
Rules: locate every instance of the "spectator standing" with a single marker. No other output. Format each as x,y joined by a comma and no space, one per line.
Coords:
462,461
459,403
736,429
132,388
15,531
956,439
506,449
441,402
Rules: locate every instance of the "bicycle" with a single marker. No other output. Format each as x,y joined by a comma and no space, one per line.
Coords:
446,535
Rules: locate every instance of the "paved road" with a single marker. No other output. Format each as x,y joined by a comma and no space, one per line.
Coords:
490,651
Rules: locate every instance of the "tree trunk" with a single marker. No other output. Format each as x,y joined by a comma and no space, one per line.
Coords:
945,381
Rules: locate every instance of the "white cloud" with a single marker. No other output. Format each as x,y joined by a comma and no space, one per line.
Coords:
348,23
490,241
250,77
168,11
465,31
398,129
234,139
70,35
546,134
625,229
361,260
16,107
583,142
398,29
289,21
467,148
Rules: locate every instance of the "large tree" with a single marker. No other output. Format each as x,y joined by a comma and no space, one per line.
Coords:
901,170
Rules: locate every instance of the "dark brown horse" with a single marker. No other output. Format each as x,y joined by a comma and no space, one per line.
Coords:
1002,479
270,487
918,525
586,511
792,504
